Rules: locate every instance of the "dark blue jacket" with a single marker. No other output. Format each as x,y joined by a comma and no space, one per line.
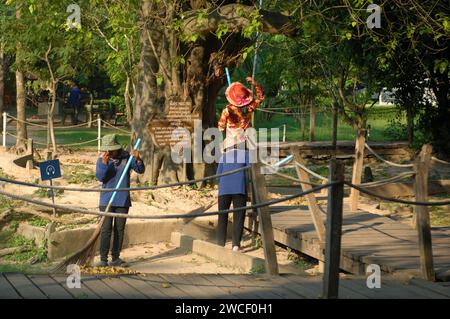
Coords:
75,97
110,174
234,183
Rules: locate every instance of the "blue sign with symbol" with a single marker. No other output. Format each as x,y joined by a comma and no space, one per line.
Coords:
50,170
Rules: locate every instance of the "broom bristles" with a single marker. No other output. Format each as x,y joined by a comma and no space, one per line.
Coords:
85,255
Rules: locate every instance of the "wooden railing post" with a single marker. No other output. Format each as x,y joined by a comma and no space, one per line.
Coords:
311,198
422,216
265,221
357,168
333,231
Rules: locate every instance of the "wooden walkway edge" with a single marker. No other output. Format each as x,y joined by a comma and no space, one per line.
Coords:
199,286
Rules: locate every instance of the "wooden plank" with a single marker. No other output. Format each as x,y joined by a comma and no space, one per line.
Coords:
299,289
7,291
122,288
431,286
25,287
190,289
100,288
227,286
208,287
254,290
357,168
50,287
421,167
334,232
314,209
265,222
263,282
78,293
166,287
138,283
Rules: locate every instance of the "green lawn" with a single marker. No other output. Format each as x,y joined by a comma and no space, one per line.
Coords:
378,120
77,135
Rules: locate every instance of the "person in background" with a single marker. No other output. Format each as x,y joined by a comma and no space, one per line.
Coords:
75,101
108,171
232,189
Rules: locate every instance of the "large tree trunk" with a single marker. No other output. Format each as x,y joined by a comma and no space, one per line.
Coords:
312,121
21,116
21,129
2,80
50,117
410,124
128,100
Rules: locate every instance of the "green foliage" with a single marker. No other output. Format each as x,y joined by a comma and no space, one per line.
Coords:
6,202
38,222
259,269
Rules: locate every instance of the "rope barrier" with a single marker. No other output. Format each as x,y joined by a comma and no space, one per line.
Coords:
73,126
386,161
115,127
310,172
26,122
440,161
24,139
173,216
142,188
388,180
395,200
80,143
275,112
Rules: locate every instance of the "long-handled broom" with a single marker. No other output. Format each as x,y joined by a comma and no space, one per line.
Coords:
86,254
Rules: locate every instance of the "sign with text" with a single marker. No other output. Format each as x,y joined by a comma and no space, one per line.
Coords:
173,128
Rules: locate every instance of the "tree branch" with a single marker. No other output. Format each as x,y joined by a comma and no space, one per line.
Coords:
236,17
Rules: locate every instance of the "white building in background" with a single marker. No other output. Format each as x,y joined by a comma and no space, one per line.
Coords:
387,97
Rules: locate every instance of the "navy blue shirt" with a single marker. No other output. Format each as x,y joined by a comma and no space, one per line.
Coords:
75,97
110,174
235,183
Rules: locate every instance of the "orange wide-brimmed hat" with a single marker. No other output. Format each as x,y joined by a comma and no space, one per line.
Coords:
238,95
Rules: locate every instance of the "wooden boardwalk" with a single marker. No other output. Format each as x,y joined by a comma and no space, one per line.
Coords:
193,286
366,239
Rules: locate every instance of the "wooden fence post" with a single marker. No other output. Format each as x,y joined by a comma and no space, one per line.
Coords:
334,232
311,198
357,168
265,221
422,216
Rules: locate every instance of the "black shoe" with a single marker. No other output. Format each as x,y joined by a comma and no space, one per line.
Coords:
101,263
118,263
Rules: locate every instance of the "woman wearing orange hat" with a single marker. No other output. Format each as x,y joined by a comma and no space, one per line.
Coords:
233,188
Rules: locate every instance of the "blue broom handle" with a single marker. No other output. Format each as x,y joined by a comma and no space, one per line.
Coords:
124,172
228,76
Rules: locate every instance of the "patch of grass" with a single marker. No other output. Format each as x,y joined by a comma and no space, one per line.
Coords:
6,202
38,222
19,241
297,259
439,217
37,254
44,192
5,175
81,178
79,175
259,269
13,225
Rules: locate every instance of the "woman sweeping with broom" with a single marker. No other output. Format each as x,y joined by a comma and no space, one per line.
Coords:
112,170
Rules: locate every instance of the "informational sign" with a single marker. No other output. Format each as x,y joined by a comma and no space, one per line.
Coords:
50,170
172,129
